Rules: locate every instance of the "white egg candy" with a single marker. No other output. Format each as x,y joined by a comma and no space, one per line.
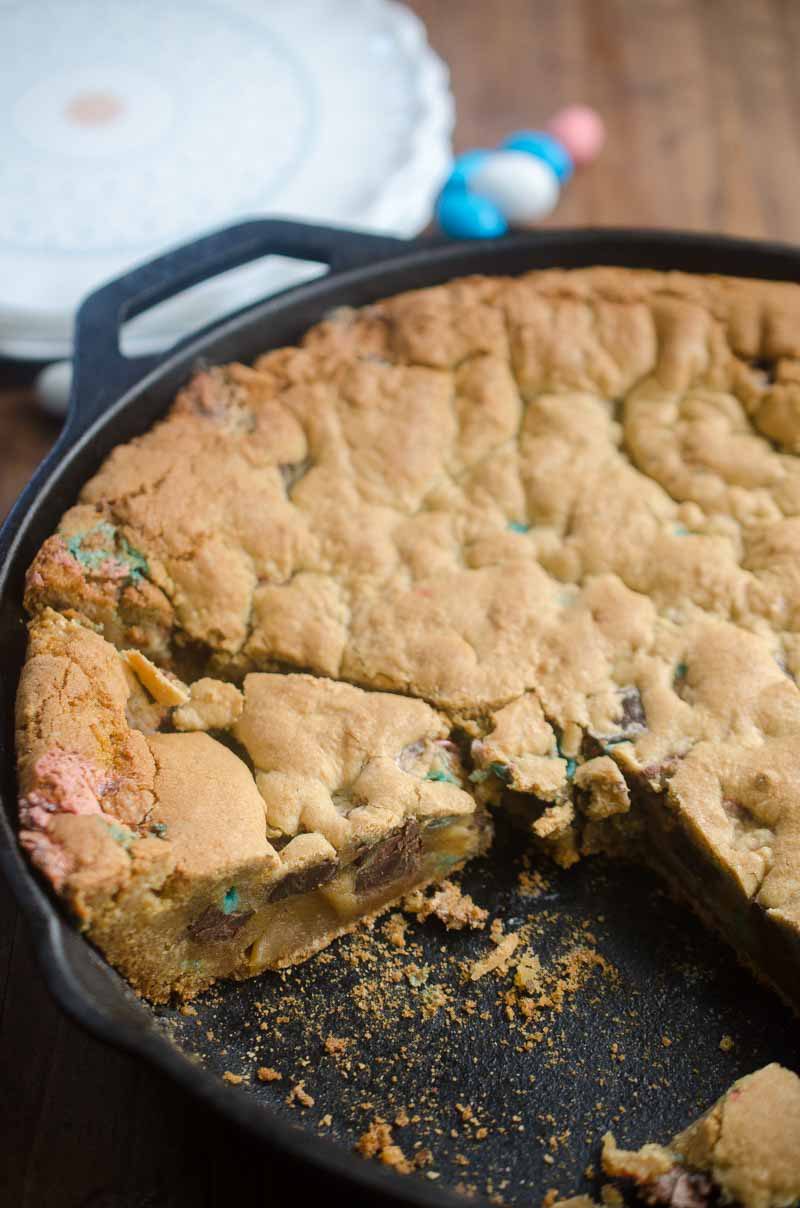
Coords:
52,387
523,188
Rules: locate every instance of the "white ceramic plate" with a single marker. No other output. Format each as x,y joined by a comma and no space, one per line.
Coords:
128,128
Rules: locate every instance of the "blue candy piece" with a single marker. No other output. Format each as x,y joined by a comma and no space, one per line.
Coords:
464,216
542,146
465,164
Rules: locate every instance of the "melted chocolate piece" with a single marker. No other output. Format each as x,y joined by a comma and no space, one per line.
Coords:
682,1189
303,880
634,718
394,857
633,721
766,366
212,925
292,472
661,772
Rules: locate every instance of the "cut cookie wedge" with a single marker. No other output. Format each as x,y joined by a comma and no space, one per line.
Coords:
181,865
745,1150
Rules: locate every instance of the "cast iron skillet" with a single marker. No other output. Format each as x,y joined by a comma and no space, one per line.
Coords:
672,980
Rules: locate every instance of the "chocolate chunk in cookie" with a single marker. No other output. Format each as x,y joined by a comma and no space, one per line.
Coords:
394,857
303,880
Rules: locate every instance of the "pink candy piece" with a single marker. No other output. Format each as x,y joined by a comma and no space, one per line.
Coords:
581,130
63,782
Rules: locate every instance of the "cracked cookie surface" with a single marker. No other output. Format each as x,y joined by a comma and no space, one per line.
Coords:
562,510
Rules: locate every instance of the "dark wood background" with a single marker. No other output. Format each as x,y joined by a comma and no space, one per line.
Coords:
702,102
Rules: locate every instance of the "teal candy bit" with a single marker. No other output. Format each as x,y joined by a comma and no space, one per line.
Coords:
93,559
120,835
158,828
680,530
479,775
571,763
681,671
438,823
502,771
230,900
517,526
137,563
439,774
104,530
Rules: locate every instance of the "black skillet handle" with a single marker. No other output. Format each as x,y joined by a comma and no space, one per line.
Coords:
101,373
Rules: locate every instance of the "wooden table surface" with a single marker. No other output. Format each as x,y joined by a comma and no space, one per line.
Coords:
702,102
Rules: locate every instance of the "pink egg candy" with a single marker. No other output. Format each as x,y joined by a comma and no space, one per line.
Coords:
581,130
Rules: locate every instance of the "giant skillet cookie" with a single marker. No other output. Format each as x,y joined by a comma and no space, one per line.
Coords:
528,544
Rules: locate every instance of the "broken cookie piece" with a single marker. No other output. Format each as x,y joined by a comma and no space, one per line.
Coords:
165,688
210,704
745,1150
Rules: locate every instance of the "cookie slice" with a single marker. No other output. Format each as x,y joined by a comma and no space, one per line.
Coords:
181,863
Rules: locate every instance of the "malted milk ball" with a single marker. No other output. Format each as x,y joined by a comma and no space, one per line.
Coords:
523,188
543,146
581,130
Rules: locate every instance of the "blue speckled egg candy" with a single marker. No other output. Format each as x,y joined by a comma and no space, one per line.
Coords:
545,147
465,164
463,215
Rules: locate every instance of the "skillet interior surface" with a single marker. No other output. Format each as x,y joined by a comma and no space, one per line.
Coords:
637,996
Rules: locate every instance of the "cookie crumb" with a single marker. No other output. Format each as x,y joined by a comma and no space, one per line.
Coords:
395,929
448,904
335,1045
727,1043
299,1094
377,1142
497,961
265,1073
233,1079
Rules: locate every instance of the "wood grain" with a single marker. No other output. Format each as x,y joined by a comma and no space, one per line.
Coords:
702,102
